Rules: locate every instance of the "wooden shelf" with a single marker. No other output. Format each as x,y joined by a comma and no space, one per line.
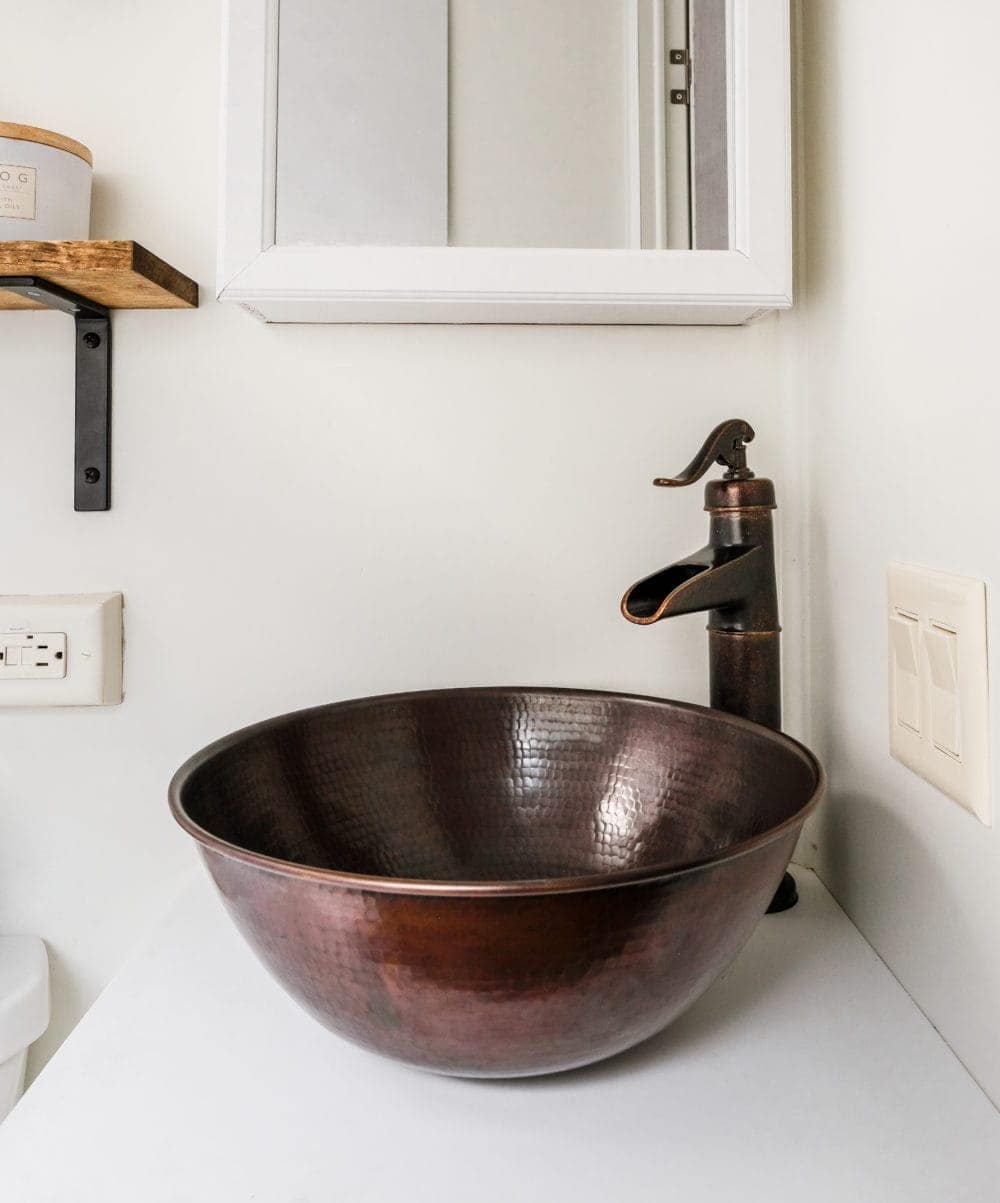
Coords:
116,274
87,280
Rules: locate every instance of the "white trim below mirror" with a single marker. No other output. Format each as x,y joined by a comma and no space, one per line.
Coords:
483,284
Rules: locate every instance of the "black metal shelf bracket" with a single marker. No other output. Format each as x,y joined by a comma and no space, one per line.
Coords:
92,458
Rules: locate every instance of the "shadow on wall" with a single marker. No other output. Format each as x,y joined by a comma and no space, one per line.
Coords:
820,637
891,850
861,845
891,845
818,143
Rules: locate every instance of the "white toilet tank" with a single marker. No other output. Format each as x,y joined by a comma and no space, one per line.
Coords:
24,1010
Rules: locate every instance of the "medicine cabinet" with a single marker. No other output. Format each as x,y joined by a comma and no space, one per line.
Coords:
601,161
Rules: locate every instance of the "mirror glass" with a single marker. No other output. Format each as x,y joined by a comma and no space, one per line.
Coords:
522,123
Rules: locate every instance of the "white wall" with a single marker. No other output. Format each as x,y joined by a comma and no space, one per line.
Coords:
304,513
895,340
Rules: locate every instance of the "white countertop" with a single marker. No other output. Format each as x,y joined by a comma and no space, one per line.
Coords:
807,1073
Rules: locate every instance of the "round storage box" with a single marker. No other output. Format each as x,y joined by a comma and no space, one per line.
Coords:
44,185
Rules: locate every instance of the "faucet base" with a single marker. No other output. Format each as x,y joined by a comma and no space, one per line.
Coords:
785,897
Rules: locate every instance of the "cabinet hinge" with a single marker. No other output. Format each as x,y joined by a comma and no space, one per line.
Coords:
681,58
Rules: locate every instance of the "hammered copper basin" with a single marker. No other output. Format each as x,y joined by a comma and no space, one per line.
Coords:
495,882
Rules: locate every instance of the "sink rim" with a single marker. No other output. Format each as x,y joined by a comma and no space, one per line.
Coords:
515,887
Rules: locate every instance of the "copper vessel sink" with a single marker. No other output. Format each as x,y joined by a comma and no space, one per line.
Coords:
497,882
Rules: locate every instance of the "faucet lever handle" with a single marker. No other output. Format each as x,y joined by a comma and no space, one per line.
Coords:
726,445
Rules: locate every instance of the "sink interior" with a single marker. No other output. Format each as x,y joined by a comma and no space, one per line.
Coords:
497,785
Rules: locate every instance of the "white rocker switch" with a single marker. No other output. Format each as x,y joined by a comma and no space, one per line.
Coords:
939,702
904,629
941,646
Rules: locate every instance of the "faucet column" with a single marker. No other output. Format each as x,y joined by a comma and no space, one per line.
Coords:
733,578
745,638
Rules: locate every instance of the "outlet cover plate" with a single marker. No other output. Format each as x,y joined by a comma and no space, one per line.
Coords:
91,624
939,711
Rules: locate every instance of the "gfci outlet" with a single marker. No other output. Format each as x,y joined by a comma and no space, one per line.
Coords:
939,682
32,655
61,650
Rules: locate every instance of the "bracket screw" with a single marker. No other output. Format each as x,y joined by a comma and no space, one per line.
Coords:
92,475
92,340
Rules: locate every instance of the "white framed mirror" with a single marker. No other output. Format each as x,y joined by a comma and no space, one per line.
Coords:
602,161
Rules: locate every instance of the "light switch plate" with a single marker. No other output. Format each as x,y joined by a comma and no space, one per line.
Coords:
939,682
85,627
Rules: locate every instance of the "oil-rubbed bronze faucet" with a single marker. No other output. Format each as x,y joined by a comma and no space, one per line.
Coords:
733,578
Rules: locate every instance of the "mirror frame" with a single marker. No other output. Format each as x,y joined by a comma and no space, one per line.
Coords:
485,284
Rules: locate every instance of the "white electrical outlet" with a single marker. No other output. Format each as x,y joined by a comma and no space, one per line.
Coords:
33,656
939,682
61,650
